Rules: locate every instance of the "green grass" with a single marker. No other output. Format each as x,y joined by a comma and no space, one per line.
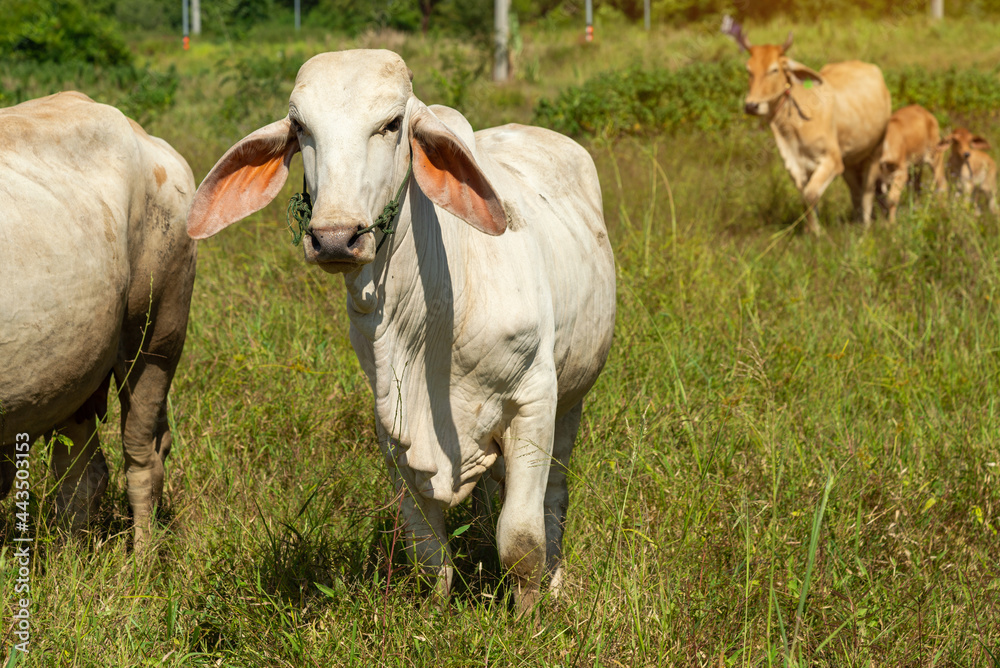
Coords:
791,457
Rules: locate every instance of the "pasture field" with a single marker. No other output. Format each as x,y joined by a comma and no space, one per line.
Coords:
791,458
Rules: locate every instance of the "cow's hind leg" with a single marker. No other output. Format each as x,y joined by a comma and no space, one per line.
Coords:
521,528
80,469
557,495
144,375
146,437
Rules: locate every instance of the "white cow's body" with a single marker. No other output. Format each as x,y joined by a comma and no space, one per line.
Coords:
474,345
464,315
95,263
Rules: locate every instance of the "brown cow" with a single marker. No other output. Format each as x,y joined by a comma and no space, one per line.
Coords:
969,169
911,138
826,123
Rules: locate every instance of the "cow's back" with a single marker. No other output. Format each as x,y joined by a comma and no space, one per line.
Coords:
552,183
65,195
862,107
913,133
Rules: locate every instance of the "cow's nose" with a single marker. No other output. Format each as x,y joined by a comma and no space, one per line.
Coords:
967,154
334,244
750,107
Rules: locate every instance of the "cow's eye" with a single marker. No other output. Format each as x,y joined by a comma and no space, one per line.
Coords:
393,125
296,127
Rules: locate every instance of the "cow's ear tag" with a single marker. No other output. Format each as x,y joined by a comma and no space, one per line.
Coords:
808,83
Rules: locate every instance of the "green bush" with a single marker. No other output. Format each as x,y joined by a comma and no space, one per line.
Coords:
59,31
638,99
356,16
261,86
966,92
707,97
146,15
139,92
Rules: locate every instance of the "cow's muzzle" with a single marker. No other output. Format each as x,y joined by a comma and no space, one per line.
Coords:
338,249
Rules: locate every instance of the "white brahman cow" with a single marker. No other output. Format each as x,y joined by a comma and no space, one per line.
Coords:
825,123
486,317
96,275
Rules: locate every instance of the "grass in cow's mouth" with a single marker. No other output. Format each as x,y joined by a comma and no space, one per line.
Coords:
791,457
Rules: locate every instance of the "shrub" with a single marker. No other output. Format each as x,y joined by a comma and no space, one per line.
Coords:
966,92
638,99
356,16
140,93
707,96
262,85
146,15
59,31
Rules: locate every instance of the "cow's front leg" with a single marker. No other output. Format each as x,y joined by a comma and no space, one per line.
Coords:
521,527
828,169
557,495
896,186
424,533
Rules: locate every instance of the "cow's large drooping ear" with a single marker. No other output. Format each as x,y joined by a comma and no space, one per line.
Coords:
979,143
447,173
244,180
801,73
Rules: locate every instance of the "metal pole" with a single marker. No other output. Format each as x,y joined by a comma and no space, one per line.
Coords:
937,9
195,17
184,23
501,35
298,15
590,20
645,13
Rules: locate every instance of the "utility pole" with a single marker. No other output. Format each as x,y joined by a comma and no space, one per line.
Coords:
590,21
196,17
645,13
298,15
937,9
184,24
501,32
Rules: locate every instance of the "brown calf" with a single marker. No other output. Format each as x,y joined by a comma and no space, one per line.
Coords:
969,168
911,138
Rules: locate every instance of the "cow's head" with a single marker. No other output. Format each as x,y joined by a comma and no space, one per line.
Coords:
353,116
963,143
887,168
772,73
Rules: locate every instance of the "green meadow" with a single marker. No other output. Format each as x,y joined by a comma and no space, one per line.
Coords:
792,457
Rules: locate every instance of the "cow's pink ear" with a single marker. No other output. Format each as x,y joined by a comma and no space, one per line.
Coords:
448,174
979,143
244,180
